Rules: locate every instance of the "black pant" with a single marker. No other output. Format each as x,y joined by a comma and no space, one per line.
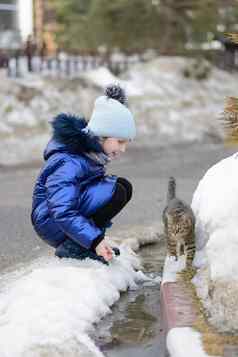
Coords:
120,198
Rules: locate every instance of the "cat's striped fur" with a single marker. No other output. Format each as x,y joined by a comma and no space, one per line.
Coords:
179,225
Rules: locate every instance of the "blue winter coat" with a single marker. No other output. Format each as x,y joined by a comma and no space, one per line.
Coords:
71,187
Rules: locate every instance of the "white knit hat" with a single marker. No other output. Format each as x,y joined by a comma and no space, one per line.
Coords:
111,117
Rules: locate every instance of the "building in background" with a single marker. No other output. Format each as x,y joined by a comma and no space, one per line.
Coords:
44,25
16,23
9,25
25,18
38,15
20,19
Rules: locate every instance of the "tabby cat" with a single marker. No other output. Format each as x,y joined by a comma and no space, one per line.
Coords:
179,225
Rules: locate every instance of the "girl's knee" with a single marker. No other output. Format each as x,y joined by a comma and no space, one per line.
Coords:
127,185
120,196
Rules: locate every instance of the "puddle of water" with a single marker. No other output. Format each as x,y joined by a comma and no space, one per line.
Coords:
134,325
151,350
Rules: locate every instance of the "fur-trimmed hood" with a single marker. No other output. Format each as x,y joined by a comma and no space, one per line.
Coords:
70,135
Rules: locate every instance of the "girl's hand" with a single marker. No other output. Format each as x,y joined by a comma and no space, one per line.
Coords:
104,250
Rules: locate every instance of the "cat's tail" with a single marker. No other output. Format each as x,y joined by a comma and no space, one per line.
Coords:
171,189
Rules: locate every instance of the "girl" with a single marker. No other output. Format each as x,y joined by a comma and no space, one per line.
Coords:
73,199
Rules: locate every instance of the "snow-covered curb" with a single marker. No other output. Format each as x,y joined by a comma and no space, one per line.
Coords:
177,311
51,305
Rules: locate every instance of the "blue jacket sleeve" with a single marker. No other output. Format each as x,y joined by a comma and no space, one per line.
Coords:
63,197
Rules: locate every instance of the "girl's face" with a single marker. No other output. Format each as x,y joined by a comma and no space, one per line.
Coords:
113,147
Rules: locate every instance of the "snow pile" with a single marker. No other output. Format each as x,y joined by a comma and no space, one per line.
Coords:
27,106
172,267
185,339
215,204
137,236
168,107
50,307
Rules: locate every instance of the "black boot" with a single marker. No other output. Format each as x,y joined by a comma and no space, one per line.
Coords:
70,249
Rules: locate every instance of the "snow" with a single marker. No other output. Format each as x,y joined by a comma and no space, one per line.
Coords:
50,306
101,77
168,107
185,341
172,267
215,204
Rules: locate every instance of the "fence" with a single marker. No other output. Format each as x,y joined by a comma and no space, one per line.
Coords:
72,66
68,66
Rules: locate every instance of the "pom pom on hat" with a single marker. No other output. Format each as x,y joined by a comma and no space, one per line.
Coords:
111,117
114,91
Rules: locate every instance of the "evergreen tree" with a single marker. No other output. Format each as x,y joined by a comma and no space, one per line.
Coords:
128,25
73,27
170,26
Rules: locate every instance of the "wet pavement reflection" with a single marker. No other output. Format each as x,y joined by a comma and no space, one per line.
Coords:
134,325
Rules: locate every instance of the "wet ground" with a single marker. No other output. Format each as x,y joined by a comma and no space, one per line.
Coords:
134,327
